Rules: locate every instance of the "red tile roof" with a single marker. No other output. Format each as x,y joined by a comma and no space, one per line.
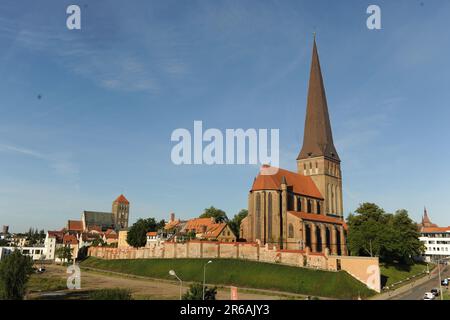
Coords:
300,184
70,239
172,224
152,233
75,225
435,229
122,199
317,217
199,223
214,230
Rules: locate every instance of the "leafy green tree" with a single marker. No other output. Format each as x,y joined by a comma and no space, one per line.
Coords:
217,214
391,237
137,234
195,292
98,242
64,253
15,270
235,223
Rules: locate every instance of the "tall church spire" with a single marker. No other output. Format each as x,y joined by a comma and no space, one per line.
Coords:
318,138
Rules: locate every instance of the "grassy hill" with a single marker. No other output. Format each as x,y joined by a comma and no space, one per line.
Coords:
241,273
393,273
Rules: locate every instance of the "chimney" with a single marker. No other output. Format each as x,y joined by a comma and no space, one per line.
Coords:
172,217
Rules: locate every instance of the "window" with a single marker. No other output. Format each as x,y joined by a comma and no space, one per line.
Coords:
309,209
318,207
269,215
299,204
291,231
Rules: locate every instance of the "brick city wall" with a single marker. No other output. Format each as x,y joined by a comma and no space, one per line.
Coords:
363,269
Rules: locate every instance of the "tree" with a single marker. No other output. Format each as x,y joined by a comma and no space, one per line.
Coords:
98,242
195,292
137,235
217,214
391,237
235,223
15,270
64,253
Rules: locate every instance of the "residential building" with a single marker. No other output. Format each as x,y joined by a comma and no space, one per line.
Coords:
436,239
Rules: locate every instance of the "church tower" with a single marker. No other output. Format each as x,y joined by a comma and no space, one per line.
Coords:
121,211
318,157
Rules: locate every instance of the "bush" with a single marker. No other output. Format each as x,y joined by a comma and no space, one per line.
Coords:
15,270
110,294
195,292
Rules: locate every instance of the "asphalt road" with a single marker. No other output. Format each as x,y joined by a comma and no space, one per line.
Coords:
417,292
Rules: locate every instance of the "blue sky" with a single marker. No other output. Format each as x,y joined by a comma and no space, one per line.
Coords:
113,92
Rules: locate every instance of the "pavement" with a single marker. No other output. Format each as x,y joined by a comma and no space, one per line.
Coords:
416,289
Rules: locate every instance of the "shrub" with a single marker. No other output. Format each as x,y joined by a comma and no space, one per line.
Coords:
110,294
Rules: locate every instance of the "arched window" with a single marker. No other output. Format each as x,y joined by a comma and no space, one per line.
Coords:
291,231
299,204
309,206
258,217
269,215
318,207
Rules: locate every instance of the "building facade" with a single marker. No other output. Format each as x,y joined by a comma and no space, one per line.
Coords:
302,210
436,239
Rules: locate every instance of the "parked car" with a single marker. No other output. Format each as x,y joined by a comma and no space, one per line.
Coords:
435,292
444,282
428,296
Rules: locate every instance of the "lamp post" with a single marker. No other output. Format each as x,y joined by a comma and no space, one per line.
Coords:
204,278
440,279
172,273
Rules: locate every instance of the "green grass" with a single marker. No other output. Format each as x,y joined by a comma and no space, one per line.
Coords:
110,294
44,282
393,273
248,274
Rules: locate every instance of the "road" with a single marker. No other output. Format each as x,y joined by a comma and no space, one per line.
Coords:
417,292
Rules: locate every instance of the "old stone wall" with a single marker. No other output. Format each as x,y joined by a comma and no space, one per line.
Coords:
363,269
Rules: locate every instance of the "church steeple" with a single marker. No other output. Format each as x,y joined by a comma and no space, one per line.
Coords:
317,138
318,157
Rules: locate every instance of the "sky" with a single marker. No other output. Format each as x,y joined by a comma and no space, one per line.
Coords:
86,115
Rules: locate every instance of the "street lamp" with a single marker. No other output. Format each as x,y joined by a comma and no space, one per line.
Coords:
204,277
173,274
440,280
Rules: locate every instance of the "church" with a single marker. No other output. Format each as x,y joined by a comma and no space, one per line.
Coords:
302,210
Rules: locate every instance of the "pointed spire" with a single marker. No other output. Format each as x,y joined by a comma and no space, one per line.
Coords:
425,218
318,138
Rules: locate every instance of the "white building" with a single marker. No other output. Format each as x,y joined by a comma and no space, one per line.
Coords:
36,253
436,239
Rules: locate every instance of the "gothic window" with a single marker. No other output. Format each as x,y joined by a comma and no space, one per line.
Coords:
291,231
299,204
309,206
258,216
291,199
318,207
269,215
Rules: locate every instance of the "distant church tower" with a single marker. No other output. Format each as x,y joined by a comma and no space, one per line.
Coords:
318,157
121,211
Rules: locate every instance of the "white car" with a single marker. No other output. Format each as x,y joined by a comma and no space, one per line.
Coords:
428,296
